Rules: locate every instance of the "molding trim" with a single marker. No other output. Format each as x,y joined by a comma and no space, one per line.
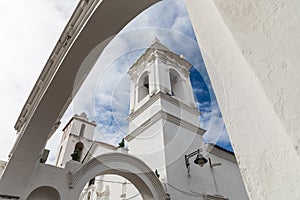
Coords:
166,116
161,95
3,196
158,50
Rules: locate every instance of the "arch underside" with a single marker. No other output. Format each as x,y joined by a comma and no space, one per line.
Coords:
127,166
45,193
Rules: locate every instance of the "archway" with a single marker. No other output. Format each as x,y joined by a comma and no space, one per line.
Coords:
45,193
127,166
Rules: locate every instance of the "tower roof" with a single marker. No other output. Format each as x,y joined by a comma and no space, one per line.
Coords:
164,51
82,117
157,45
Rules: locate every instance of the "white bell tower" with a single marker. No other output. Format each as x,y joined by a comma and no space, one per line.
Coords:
163,119
77,138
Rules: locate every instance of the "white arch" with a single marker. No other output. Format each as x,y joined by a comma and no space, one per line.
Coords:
127,166
45,193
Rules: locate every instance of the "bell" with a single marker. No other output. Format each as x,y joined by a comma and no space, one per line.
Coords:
200,160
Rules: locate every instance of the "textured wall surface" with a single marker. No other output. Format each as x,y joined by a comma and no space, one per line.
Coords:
251,51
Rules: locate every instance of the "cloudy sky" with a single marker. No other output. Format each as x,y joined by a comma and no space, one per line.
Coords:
31,31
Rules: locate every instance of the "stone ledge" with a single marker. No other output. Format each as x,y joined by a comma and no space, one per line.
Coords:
166,116
166,97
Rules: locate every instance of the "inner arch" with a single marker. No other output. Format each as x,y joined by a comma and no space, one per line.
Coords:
127,166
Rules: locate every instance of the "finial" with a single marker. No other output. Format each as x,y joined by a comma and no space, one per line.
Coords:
156,40
84,115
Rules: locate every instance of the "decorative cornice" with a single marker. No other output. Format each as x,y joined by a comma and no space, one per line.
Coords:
164,96
166,116
169,59
158,50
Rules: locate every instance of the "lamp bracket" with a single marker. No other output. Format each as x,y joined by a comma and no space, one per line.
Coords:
188,156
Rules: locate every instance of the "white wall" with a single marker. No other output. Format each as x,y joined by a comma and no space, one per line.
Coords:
46,175
251,51
149,147
169,159
88,130
223,180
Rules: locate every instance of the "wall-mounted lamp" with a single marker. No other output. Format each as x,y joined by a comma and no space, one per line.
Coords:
200,159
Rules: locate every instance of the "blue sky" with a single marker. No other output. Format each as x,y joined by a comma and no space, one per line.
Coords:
104,95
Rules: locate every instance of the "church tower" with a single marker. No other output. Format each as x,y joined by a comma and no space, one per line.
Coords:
163,119
76,140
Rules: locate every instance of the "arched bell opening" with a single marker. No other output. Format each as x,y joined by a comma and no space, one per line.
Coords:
76,155
143,86
177,88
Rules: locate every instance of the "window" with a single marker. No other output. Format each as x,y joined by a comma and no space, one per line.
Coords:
82,128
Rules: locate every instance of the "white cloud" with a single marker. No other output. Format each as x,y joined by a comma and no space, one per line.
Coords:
30,30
